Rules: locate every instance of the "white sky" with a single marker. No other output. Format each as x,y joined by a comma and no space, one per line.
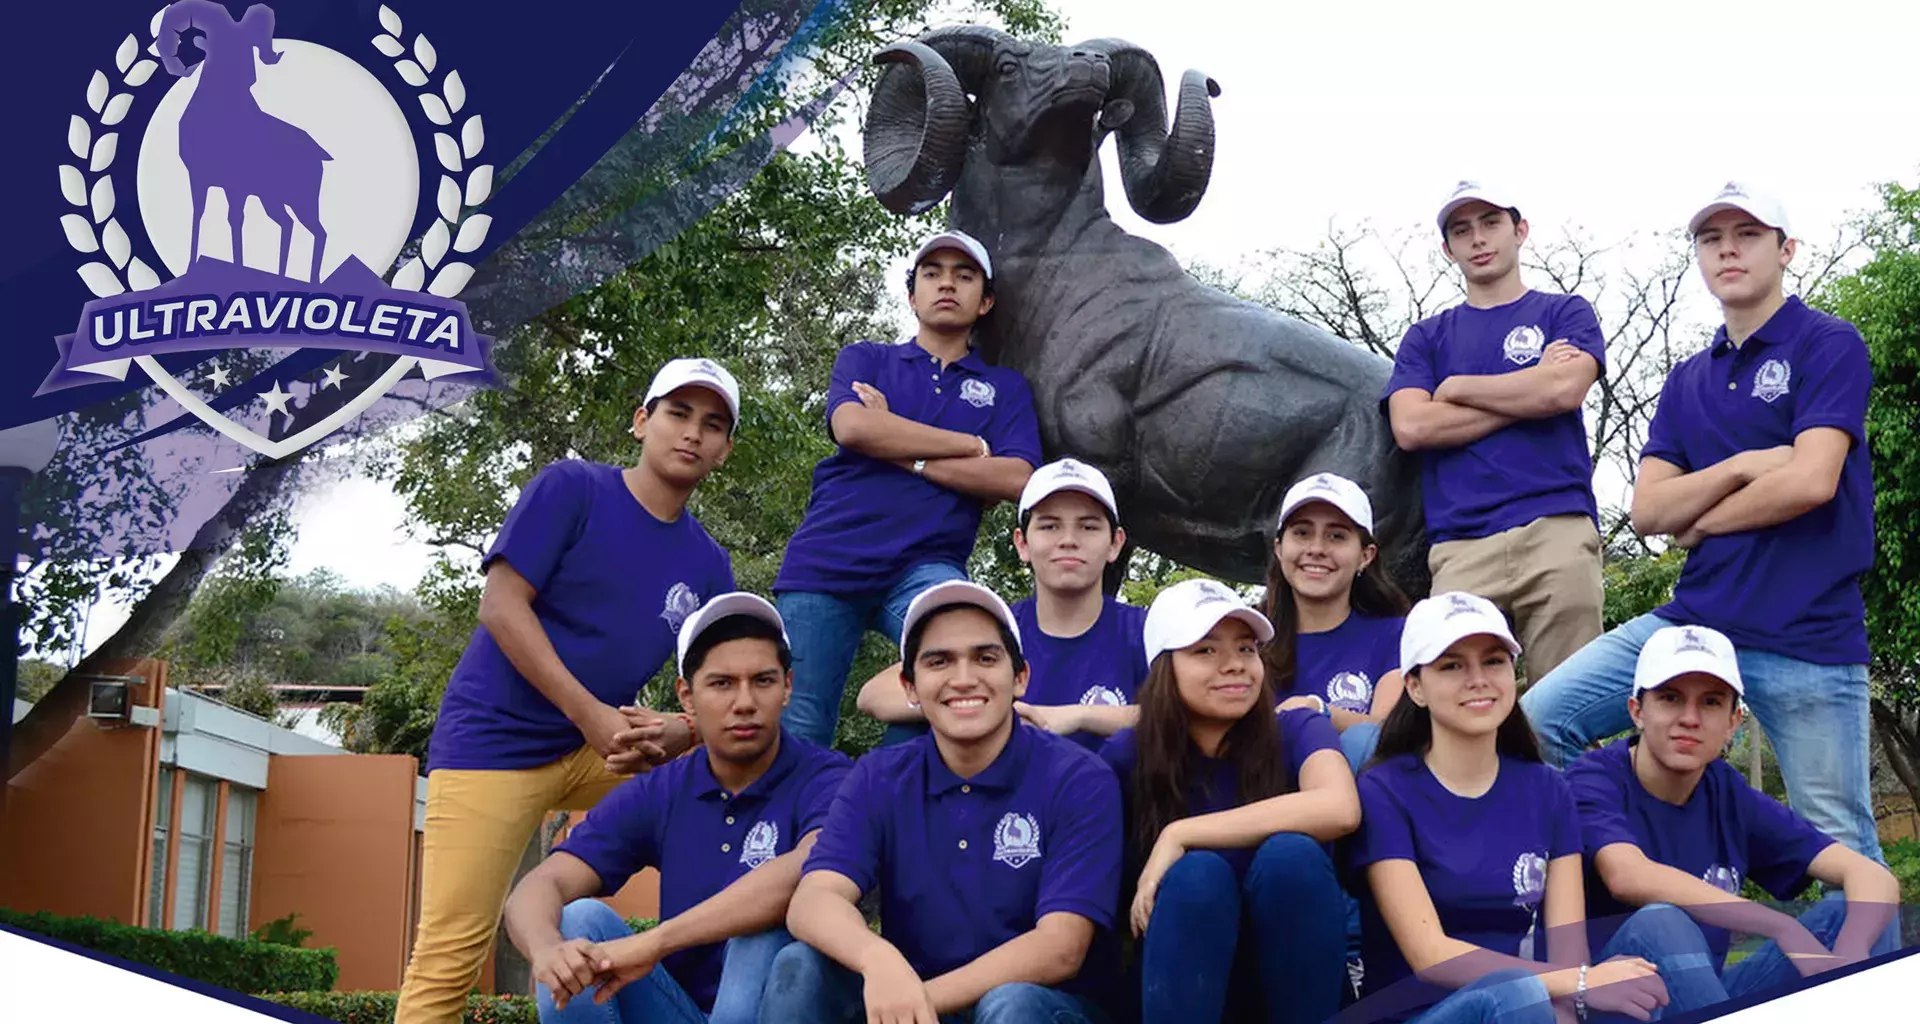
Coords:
1618,118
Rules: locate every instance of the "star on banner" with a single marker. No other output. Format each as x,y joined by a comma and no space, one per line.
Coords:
277,399
334,377
217,376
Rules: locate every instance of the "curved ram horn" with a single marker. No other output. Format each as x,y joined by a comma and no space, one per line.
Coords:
917,124
1165,171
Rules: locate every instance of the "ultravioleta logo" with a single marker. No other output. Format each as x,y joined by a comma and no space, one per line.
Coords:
278,182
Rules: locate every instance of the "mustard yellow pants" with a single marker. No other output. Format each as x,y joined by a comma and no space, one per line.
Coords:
478,824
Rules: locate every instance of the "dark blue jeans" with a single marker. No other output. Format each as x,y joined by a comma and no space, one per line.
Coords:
1283,963
1663,935
825,631
808,988
657,998
1768,968
1512,996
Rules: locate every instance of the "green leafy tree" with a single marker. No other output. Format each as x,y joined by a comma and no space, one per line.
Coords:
1882,298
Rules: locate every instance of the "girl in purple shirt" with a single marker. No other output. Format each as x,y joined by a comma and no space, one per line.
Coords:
1336,616
1470,847
1227,807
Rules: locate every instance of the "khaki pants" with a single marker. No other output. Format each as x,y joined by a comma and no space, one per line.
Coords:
478,824
1544,575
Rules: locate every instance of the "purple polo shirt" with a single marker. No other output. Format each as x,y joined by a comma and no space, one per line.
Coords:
1105,665
1483,859
964,865
1344,664
1726,832
1521,472
869,521
677,819
1214,785
611,586
1791,589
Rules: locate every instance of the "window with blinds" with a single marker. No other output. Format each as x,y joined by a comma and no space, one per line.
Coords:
236,864
197,815
157,865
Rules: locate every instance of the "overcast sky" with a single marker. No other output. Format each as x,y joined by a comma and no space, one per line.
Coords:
1618,118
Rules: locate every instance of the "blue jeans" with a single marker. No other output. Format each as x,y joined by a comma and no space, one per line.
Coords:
1768,968
808,988
1814,715
825,631
1291,908
1358,743
1512,996
657,998
1663,935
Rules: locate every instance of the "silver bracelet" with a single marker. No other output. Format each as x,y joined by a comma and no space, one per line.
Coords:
1580,995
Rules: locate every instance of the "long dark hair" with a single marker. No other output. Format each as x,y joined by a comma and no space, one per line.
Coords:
1409,730
1372,594
1163,751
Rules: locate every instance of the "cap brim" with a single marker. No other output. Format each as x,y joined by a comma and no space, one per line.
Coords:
724,606
1457,202
1287,510
1430,652
1693,225
1104,501
733,404
1685,665
953,592
957,243
1262,629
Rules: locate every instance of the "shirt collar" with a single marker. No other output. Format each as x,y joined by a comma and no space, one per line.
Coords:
1783,326
706,787
1004,773
910,351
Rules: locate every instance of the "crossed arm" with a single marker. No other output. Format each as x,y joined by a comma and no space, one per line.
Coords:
1468,407
824,914
956,461
1872,894
1750,490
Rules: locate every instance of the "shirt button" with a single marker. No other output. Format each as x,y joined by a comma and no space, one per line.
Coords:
936,391
726,847
963,844
966,789
729,819
1732,385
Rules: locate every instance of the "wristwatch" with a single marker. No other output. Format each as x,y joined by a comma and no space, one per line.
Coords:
1322,701
919,467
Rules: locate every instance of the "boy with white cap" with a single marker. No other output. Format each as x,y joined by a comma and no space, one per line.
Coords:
1488,394
728,829
996,848
1083,647
1756,461
591,577
928,434
1666,821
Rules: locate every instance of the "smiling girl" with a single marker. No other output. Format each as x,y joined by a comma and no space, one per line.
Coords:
1336,616
1470,847
1228,805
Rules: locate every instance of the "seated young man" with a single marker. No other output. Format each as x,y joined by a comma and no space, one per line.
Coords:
727,827
1665,821
996,847
1084,649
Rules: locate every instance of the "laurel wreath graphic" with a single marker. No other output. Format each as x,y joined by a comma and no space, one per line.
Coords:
88,184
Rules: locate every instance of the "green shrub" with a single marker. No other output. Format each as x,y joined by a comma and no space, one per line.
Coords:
641,924
282,932
378,1007
1903,856
244,965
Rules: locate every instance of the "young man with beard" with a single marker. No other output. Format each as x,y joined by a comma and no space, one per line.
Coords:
996,848
587,584
728,829
1085,651
1756,461
928,434
1488,394
1666,821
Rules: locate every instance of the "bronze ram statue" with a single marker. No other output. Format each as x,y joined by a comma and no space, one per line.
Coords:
1201,407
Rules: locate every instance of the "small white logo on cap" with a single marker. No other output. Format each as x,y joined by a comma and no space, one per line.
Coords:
1691,640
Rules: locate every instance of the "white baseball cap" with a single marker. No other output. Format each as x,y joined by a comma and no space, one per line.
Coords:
737,603
1443,620
1184,612
956,592
1674,651
1471,191
1736,195
1067,475
1335,490
700,373
960,240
